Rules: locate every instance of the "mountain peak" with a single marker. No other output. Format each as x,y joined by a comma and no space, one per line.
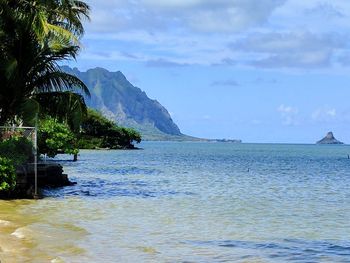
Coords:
119,100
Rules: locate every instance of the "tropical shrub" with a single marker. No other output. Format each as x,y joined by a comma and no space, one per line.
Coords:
89,142
55,137
120,138
7,175
99,132
17,149
95,124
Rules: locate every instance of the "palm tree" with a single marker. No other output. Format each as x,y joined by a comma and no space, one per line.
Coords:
34,37
66,107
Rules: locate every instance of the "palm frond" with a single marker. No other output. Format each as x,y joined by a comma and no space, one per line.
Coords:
59,81
35,36
67,107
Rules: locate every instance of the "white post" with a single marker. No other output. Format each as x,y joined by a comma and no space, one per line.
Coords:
36,196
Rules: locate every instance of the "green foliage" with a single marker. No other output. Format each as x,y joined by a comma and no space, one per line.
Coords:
55,137
67,107
95,124
28,111
35,37
120,137
106,133
8,175
131,134
89,142
18,149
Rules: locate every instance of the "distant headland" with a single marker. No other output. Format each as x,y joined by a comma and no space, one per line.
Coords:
227,140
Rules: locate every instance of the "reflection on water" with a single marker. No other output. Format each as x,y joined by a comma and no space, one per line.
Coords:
189,202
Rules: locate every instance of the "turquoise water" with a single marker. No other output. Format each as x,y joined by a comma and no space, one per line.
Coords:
193,202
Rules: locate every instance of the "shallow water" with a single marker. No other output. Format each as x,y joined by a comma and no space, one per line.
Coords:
189,202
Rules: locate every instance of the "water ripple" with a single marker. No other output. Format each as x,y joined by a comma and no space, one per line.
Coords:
241,200
107,189
292,250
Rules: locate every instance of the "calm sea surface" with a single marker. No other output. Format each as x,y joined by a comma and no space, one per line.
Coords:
189,202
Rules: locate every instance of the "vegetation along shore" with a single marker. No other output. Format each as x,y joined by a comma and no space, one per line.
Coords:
36,38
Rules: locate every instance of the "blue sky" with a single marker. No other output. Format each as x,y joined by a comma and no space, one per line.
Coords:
257,70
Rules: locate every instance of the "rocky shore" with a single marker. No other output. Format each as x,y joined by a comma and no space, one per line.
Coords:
49,175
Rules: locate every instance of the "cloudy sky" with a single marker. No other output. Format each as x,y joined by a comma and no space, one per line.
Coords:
258,70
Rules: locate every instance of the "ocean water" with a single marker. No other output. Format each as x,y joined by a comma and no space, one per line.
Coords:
189,202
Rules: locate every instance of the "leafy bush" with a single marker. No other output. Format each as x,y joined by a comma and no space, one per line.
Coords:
132,135
120,138
18,149
7,175
95,124
55,137
99,132
89,142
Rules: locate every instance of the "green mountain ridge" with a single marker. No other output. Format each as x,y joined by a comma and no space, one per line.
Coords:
127,105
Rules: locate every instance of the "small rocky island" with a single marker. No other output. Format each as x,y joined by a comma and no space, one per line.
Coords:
329,139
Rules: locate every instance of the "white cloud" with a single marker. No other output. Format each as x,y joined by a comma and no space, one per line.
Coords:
163,63
287,42
229,82
263,34
206,117
324,114
331,112
317,59
292,49
196,15
144,46
324,10
288,114
287,109
261,80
